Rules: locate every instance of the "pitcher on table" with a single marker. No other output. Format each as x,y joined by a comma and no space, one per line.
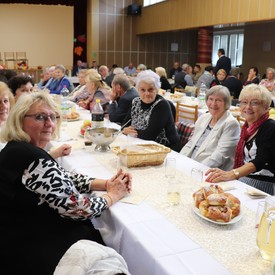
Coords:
266,231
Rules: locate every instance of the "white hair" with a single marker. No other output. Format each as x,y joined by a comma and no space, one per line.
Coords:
149,77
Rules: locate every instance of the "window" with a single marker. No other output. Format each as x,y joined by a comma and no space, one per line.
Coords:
151,2
232,43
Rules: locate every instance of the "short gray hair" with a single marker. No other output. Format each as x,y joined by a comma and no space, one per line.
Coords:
185,66
60,67
142,67
148,77
271,70
118,70
123,81
223,92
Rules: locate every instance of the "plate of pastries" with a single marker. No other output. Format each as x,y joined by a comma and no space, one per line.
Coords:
73,116
211,203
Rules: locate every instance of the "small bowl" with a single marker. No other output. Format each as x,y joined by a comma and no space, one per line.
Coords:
102,137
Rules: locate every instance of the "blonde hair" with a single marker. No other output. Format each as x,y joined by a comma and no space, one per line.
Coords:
259,92
222,71
4,89
161,71
13,129
93,76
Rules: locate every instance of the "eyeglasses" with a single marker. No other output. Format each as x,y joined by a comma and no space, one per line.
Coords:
44,117
253,103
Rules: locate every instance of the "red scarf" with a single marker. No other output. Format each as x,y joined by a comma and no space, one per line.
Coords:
246,133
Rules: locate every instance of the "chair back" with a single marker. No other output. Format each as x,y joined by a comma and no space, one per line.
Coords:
9,56
185,131
188,113
21,56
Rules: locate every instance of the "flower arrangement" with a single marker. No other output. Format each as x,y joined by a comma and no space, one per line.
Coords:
22,65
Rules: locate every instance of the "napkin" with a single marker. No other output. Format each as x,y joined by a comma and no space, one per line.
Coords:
136,197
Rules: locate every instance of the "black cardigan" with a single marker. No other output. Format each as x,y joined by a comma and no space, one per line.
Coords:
265,155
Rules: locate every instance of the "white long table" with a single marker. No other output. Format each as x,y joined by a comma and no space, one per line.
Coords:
155,239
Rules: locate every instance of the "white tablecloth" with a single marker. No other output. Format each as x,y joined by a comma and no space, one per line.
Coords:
154,239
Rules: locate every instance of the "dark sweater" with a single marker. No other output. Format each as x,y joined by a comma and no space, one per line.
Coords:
265,156
33,236
161,118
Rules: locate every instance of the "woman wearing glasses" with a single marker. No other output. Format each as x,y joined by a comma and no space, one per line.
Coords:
255,153
45,209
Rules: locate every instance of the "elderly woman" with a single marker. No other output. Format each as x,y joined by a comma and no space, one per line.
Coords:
61,80
216,133
96,89
252,76
6,102
80,89
255,154
150,115
221,76
165,85
20,84
269,81
45,209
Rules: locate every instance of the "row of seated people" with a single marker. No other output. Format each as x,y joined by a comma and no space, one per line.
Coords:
215,140
142,107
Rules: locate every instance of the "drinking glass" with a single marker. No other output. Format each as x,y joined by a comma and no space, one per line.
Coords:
87,139
173,192
197,176
170,168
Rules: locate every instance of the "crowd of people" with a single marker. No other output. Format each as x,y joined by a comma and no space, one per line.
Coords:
58,205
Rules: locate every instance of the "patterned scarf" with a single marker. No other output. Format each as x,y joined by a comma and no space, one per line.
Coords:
246,133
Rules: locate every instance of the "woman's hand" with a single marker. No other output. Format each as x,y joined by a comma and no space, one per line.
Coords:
119,186
218,175
130,131
61,151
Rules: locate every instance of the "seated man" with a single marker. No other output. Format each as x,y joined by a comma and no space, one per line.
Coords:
121,98
233,83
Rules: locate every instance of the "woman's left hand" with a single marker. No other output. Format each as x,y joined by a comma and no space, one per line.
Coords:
61,151
127,176
218,175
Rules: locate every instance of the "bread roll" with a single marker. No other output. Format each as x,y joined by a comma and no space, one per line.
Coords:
234,204
219,213
217,199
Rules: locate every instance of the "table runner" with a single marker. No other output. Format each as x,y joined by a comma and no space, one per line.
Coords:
239,256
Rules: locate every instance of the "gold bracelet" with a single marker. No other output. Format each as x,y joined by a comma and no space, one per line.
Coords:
109,198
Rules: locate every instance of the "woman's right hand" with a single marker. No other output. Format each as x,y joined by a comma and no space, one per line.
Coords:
119,186
130,131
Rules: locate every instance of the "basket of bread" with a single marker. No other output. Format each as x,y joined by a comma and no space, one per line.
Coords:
212,203
142,154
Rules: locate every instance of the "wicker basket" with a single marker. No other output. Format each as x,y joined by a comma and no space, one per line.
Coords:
142,154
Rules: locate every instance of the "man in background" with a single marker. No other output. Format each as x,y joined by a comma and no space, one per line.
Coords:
121,98
223,62
130,69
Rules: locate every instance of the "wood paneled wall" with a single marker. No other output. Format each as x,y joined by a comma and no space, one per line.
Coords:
112,40
185,14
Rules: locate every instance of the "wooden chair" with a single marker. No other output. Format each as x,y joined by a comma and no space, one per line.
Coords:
10,57
1,59
186,112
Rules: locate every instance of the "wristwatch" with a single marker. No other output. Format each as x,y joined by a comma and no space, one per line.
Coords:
236,173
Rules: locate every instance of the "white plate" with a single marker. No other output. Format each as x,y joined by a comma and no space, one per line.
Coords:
197,212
